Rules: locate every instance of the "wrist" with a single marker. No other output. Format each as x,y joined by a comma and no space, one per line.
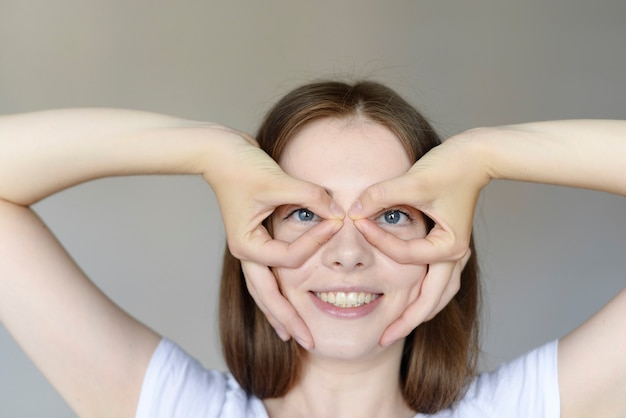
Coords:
475,147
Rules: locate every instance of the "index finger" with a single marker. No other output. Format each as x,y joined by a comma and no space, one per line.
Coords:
400,190
292,191
264,249
438,245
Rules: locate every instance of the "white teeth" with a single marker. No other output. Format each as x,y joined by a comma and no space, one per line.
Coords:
340,299
330,298
352,299
346,300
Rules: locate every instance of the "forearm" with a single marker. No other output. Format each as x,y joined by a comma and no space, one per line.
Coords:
577,153
44,152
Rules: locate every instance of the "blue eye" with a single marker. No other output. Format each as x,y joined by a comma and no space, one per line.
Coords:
394,217
303,215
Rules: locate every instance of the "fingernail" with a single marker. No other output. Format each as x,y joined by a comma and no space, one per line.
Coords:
385,343
386,339
282,334
355,210
303,343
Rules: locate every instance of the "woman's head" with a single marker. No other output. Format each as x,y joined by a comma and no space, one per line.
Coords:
440,354
345,156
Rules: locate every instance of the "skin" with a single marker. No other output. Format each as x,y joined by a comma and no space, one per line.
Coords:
93,352
345,156
446,183
46,301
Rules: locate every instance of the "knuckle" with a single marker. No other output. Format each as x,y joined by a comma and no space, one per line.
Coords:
458,249
375,193
317,193
236,249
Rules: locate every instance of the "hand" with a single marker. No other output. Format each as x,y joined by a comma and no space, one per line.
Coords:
281,315
441,283
444,184
249,185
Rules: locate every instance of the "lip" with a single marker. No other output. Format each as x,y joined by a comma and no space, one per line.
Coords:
345,313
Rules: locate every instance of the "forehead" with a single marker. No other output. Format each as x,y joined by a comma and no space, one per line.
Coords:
344,155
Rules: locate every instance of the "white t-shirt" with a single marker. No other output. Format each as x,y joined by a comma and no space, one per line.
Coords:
176,385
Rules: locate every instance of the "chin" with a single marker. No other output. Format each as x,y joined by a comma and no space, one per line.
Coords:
346,338
345,352
346,341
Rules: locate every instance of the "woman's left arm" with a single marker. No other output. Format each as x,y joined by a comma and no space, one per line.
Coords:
592,155
445,184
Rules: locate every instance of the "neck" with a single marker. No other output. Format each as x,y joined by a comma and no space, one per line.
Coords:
345,389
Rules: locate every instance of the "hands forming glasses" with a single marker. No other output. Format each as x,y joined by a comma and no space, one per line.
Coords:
441,184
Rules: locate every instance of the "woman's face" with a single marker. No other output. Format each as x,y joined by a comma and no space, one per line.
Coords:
348,292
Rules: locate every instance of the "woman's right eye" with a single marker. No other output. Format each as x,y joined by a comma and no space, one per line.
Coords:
303,215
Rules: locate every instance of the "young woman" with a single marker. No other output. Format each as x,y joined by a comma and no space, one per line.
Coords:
345,139
383,317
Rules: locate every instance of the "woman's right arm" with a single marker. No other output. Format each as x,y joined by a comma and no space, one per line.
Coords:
93,352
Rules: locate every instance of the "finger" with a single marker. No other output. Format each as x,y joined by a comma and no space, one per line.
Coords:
311,196
400,190
433,287
453,285
465,258
274,305
259,296
436,246
265,250
282,333
452,288
308,243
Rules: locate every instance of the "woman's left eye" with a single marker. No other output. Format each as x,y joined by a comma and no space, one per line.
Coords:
394,217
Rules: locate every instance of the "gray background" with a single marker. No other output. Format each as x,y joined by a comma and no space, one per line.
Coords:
550,256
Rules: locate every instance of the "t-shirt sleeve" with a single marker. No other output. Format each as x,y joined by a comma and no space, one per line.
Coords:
526,387
177,385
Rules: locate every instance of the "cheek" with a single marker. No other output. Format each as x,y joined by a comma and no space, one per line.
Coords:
408,279
289,279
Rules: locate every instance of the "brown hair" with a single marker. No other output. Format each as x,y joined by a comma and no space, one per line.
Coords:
439,356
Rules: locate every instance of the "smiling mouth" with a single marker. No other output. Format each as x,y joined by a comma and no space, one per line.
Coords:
347,299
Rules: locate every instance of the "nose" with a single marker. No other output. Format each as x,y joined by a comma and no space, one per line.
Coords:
347,249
